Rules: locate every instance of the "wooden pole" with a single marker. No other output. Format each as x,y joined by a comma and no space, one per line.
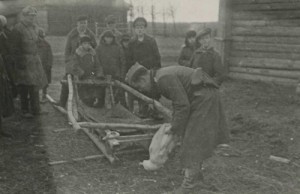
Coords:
59,108
100,145
148,100
70,105
118,126
93,157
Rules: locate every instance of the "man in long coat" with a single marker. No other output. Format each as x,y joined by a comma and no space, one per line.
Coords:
30,75
198,115
73,42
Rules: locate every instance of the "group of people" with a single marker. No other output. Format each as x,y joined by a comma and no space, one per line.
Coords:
25,65
192,86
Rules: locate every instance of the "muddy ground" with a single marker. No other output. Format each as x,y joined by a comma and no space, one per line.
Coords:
264,120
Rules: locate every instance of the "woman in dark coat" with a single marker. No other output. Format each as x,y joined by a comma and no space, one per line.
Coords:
198,115
207,58
187,49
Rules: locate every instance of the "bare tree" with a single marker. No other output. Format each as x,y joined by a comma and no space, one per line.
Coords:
172,12
164,21
153,18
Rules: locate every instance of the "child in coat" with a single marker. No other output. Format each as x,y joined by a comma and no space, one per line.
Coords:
86,66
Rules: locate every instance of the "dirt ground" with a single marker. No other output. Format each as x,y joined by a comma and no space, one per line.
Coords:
264,120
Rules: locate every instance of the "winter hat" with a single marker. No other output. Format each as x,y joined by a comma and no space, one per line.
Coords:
140,21
191,33
134,72
204,32
108,33
125,37
85,39
29,11
111,19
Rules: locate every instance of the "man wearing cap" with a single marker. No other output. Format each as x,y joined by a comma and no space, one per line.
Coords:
207,58
143,49
111,24
198,115
73,42
30,76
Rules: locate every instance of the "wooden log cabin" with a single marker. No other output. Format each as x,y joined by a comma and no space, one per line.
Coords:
260,39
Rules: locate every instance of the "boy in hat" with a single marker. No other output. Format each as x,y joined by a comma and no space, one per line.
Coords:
46,56
188,48
112,59
73,41
207,58
86,66
198,115
111,24
143,50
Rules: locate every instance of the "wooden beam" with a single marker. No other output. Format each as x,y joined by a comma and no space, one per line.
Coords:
118,126
267,6
267,39
59,108
267,72
267,63
148,100
262,78
261,54
266,47
264,1
267,31
266,15
70,105
266,23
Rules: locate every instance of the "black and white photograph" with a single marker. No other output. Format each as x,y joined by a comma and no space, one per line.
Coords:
149,96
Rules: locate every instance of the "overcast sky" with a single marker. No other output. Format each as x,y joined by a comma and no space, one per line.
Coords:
185,10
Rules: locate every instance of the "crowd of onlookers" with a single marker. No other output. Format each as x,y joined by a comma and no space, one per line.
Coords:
192,86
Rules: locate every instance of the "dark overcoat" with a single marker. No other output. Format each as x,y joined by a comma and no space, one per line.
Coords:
29,69
210,62
144,52
185,55
198,114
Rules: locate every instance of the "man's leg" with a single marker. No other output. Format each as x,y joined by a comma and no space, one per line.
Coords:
64,92
23,91
34,99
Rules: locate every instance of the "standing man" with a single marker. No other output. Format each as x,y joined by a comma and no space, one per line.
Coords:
73,42
30,75
143,50
111,24
198,115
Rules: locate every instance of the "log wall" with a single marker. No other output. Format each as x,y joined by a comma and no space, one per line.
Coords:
265,40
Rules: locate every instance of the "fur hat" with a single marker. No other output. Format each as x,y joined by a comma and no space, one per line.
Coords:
204,32
133,73
191,33
29,11
108,33
85,39
82,18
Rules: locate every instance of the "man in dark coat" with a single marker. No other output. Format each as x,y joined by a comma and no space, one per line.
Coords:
73,42
30,75
198,115
143,49
207,58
